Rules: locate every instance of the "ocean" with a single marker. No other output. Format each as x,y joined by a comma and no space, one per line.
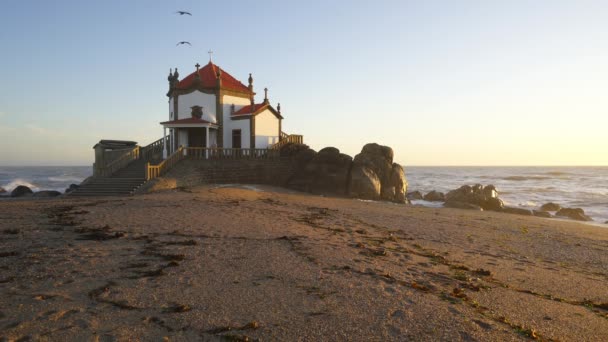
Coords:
526,187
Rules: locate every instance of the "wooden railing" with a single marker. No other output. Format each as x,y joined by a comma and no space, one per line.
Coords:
120,162
230,153
154,171
148,152
288,139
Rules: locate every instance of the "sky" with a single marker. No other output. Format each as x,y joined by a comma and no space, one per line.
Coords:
441,82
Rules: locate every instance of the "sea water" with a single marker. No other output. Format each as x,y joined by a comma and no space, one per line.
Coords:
525,187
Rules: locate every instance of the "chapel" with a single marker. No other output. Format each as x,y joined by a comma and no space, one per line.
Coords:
211,108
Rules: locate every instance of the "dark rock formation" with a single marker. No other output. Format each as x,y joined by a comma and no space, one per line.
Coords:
21,191
462,205
484,197
550,207
541,213
414,195
327,172
71,188
370,175
517,211
574,213
47,193
378,160
434,196
2,190
364,183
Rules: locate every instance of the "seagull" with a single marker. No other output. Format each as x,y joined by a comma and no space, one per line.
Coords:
183,12
182,43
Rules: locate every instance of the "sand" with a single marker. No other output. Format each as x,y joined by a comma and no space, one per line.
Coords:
259,263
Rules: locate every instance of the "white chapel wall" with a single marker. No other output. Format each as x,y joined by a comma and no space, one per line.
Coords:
196,98
266,129
243,125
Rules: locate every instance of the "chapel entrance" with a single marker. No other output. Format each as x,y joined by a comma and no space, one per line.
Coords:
197,137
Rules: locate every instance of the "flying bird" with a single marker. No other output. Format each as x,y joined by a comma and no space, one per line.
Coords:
182,43
183,12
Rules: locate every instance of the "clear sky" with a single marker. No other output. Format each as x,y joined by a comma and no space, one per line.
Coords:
442,82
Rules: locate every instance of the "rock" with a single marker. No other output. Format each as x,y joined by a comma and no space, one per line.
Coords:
325,173
380,160
462,205
414,195
364,183
541,213
2,190
478,195
434,196
517,211
550,207
21,191
47,193
573,213
71,188
397,186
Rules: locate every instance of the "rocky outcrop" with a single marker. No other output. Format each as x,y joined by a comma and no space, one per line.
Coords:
414,195
364,183
574,213
47,193
327,172
517,211
541,213
21,191
370,175
71,188
484,197
550,207
2,190
434,196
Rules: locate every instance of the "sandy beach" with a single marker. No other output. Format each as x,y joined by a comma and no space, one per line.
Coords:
241,263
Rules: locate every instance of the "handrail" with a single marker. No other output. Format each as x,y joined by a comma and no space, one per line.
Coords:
230,153
120,162
155,147
154,171
289,139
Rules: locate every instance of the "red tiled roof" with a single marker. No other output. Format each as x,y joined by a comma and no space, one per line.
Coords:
208,79
186,121
249,109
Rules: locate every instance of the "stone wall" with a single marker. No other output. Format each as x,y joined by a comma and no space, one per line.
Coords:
197,172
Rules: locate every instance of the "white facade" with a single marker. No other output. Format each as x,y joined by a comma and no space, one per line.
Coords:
266,129
244,125
196,98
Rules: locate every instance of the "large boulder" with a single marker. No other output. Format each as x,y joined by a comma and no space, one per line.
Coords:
21,191
364,183
396,187
573,213
2,190
541,213
325,173
47,193
462,205
484,197
71,188
379,160
434,196
414,195
550,207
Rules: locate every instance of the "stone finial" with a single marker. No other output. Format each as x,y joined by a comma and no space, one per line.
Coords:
170,77
279,107
250,81
176,74
265,95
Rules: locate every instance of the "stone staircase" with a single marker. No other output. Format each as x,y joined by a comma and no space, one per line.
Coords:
123,182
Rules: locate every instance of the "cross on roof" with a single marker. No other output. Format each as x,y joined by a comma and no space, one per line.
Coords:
210,52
